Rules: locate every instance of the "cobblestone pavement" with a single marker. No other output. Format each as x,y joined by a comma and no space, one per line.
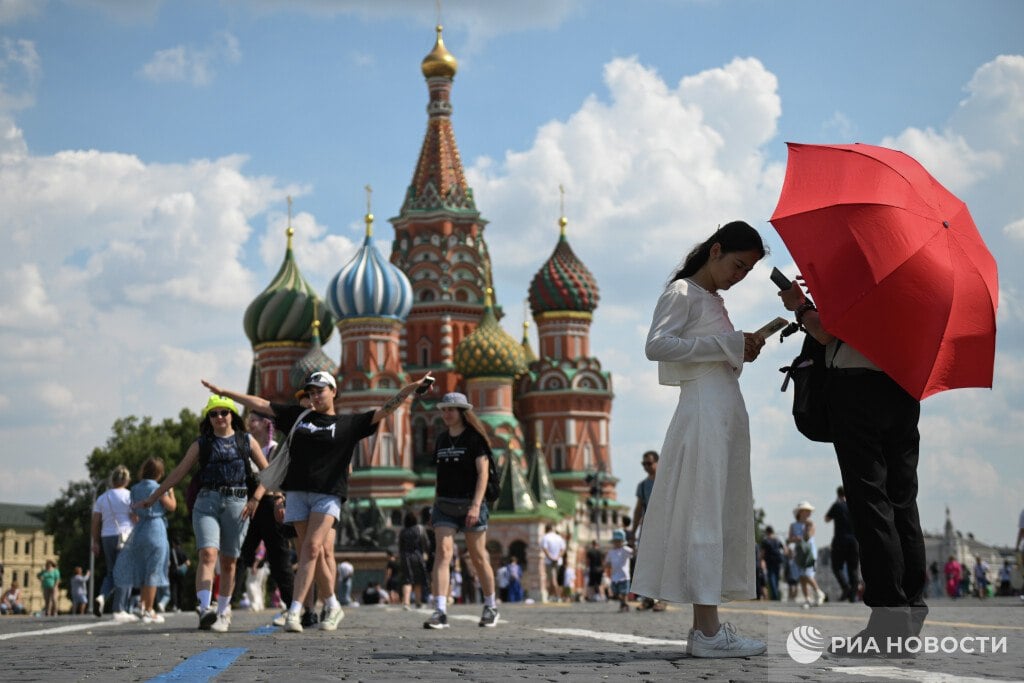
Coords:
555,642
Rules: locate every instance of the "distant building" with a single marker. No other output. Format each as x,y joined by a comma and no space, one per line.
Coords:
24,549
938,549
431,307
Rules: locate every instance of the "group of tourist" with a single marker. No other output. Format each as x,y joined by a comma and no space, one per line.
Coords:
129,526
694,532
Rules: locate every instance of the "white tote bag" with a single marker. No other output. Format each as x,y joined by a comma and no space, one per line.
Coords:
277,470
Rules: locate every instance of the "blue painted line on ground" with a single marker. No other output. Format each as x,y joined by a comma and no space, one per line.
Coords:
264,630
203,666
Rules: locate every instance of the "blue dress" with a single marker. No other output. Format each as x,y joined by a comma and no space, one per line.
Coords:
145,557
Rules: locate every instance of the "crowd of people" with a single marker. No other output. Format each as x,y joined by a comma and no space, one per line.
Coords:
689,539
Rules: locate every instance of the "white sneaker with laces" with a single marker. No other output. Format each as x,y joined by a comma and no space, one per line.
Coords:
279,619
725,643
293,622
331,619
125,618
223,622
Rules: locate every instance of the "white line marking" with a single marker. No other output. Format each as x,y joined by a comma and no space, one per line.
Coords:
910,674
59,629
622,638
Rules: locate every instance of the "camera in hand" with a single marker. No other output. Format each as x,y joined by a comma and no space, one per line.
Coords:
424,386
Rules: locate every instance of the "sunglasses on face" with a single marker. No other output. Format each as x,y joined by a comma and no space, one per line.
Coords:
219,413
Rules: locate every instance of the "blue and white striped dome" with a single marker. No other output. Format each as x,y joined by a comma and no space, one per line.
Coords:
369,286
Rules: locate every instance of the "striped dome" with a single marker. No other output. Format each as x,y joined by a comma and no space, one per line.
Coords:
283,312
369,286
563,283
490,351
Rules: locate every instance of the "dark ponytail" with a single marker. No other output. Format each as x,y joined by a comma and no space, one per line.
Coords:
734,236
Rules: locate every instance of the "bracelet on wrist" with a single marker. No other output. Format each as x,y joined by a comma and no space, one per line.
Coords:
802,310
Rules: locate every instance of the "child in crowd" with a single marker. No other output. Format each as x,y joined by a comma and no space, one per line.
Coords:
617,563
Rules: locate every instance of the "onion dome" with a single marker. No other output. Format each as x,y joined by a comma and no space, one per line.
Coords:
563,283
369,286
284,311
490,351
315,360
439,62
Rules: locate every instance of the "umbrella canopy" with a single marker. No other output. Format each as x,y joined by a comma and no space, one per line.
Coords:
894,263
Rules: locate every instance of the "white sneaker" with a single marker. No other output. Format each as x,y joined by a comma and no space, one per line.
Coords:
125,618
98,606
331,619
279,619
152,618
293,622
223,622
725,643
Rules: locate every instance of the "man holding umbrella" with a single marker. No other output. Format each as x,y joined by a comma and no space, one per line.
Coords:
874,431
906,295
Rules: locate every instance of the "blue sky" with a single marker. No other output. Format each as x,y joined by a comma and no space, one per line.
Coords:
146,150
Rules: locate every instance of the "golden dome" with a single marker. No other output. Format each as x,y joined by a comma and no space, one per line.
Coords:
439,62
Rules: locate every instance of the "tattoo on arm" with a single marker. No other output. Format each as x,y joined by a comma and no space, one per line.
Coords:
395,401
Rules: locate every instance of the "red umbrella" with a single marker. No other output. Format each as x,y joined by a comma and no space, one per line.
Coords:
894,262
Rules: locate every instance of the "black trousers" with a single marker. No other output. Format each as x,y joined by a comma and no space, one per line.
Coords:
845,554
264,527
874,429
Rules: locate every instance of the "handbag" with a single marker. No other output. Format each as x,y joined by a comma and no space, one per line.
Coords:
122,538
452,509
273,476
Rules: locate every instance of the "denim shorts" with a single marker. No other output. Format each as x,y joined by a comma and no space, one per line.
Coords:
299,505
438,518
620,587
217,522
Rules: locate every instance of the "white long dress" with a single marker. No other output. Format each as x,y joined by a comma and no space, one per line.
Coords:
698,531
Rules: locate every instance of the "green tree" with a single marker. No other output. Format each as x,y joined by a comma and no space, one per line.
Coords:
132,441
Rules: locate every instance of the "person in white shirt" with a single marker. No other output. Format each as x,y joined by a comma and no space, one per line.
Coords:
111,525
616,561
553,545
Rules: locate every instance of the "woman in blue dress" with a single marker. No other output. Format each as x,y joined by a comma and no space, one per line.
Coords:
144,559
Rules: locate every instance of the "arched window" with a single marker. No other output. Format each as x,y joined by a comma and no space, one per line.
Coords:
426,295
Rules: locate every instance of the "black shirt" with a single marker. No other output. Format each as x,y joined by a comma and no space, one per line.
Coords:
839,513
455,459
321,448
772,548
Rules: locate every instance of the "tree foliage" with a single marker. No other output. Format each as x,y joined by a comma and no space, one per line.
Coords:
131,442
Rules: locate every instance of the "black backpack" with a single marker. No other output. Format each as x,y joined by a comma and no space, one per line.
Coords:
808,374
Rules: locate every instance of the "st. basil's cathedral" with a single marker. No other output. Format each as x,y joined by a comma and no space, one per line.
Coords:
431,307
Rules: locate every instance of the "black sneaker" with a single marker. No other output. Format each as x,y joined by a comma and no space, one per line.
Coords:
310,618
490,617
437,620
206,618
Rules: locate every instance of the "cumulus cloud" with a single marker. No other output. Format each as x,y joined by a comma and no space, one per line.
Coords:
196,66
19,72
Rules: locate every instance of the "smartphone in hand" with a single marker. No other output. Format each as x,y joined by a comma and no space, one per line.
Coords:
780,280
424,386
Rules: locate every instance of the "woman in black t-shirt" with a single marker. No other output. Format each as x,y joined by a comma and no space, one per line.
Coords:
316,484
461,456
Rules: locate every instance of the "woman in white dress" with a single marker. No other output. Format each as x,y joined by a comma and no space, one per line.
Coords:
699,528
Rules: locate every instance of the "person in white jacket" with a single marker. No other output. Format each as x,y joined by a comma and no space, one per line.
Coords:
698,527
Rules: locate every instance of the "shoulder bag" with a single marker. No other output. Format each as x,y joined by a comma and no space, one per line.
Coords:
273,476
